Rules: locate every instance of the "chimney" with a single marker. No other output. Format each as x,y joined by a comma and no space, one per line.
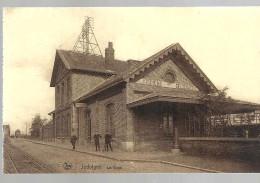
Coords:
109,56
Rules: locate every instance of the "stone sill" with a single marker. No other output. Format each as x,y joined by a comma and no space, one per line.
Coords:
63,137
219,139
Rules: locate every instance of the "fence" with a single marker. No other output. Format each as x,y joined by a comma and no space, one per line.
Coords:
230,125
47,132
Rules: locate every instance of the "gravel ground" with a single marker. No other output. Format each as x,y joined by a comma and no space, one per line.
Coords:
54,159
227,165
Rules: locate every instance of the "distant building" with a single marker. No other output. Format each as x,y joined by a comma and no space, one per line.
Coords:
17,133
46,132
6,130
135,101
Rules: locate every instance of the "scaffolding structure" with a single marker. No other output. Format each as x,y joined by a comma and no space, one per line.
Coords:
87,42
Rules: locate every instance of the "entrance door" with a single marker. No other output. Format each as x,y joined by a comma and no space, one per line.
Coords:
169,113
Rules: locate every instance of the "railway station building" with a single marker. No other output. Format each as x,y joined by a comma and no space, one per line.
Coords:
139,103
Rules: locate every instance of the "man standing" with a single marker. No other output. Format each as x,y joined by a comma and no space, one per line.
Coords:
73,140
96,139
108,138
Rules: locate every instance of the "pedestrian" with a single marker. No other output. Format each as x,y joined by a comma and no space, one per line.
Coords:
246,134
108,139
96,139
73,140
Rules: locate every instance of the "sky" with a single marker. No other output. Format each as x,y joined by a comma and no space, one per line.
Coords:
224,42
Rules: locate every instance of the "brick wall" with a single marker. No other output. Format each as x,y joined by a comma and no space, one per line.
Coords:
67,113
64,101
83,83
226,147
159,72
79,85
164,145
47,132
148,125
97,106
136,90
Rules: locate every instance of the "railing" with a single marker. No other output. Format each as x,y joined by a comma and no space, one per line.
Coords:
232,125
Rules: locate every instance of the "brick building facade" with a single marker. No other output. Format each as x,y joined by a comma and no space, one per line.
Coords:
138,102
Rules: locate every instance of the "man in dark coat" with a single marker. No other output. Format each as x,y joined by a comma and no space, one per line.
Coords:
73,140
108,139
96,139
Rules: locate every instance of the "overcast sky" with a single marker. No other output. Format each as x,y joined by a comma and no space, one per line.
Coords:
224,42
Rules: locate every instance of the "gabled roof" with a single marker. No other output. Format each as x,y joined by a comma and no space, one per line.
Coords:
138,67
85,63
174,50
80,61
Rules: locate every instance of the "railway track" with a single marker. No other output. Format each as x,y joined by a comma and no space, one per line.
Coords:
17,162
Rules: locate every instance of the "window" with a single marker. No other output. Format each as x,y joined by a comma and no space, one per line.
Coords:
169,77
65,126
69,125
110,121
62,127
168,124
87,125
62,92
58,94
68,87
58,127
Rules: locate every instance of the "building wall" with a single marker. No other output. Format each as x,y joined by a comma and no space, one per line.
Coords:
97,106
60,135
75,85
138,88
17,133
158,73
63,101
6,129
227,147
84,83
148,124
47,132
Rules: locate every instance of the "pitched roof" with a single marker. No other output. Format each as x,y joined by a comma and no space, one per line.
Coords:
138,67
86,63
80,61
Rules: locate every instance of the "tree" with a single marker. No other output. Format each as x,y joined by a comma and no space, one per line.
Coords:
37,123
216,111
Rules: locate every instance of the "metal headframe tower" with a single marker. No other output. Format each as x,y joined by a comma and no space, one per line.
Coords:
87,42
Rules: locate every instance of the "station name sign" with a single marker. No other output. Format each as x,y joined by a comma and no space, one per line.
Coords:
151,82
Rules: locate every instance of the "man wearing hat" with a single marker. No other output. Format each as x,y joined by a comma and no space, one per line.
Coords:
96,139
108,139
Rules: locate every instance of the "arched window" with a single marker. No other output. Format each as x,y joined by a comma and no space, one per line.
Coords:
110,121
62,93
88,125
65,126
62,127
68,87
168,124
58,94
69,125
58,127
